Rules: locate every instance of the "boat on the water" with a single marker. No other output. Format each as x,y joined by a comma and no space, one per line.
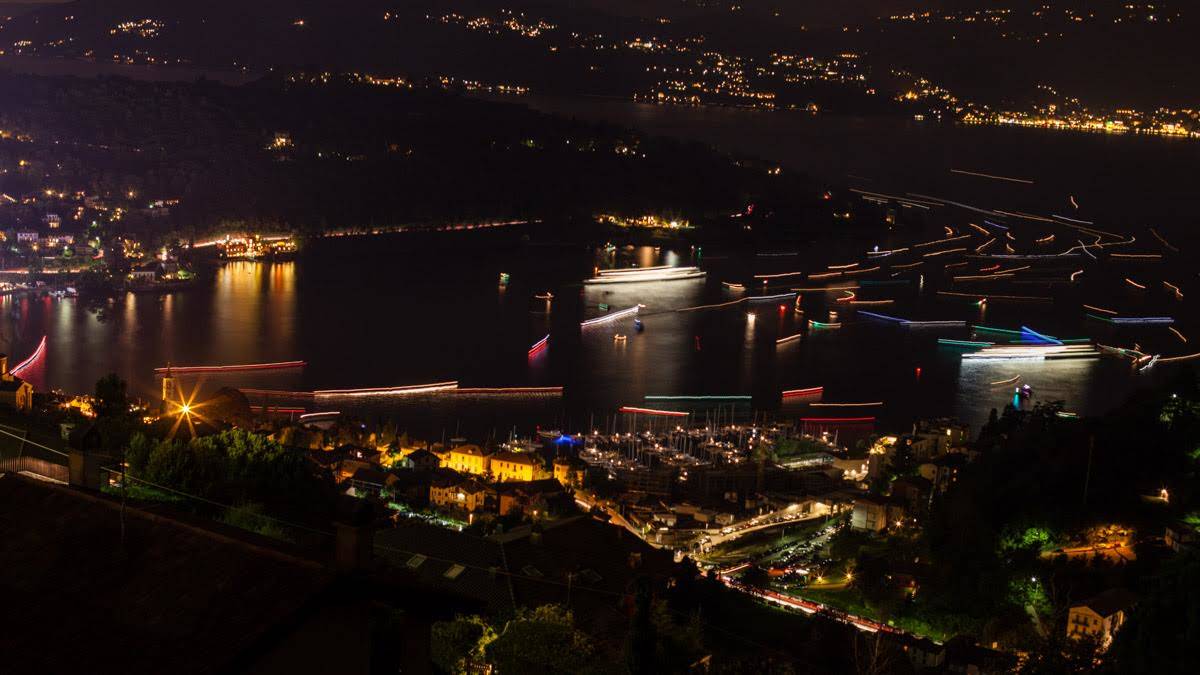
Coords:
646,274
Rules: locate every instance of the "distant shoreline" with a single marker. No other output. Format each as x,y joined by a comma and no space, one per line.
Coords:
58,67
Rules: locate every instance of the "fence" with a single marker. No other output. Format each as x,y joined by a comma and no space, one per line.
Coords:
35,465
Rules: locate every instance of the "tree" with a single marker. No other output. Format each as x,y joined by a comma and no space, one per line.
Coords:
542,640
1164,629
111,400
459,642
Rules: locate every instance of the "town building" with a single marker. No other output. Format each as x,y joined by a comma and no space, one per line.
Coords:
531,498
1102,616
470,459
522,466
875,514
462,496
14,392
570,472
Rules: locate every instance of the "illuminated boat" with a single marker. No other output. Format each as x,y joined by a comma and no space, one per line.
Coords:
545,296
646,274
618,338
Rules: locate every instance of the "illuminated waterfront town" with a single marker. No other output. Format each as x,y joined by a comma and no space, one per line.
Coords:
676,336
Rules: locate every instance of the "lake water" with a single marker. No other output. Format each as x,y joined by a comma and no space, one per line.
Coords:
408,309
399,310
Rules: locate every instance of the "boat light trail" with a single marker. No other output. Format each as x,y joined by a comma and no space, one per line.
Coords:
645,274
32,359
507,391
1163,241
277,393
1071,198
1075,274
1011,380
912,324
406,390
732,286
184,370
980,229
818,289
810,391
1044,240
822,324
631,311
1024,181
780,275
1173,287
1026,330
964,343
984,245
868,404
1100,309
932,254
790,338
1038,352
1135,284
1026,216
881,254
539,346
982,277
837,420
907,266
843,267
1177,333
697,398
1141,320
651,411
1029,298
871,302
1140,256
945,240
771,298
862,271
719,304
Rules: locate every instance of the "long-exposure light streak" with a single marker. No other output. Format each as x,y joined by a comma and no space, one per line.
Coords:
781,275
1028,298
790,338
1177,333
932,254
1135,284
29,361
736,397
651,411
1100,309
867,404
963,343
184,370
1024,181
630,311
539,346
406,390
945,240
810,391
